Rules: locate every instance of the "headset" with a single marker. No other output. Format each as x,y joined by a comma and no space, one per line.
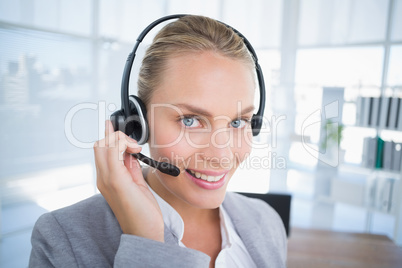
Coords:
132,117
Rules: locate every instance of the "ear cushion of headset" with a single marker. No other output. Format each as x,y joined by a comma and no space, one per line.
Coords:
256,124
136,124
117,119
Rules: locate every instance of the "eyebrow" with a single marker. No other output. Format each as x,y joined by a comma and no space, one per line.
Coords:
203,112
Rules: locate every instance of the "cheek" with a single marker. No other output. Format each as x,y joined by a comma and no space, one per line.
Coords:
243,145
164,130
167,142
243,153
163,135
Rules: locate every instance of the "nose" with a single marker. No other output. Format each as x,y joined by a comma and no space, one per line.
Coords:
220,148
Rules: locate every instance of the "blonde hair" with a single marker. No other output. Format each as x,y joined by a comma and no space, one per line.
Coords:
186,35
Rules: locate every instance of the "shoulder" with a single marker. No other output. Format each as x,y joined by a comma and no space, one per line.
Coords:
93,206
83,232
86,233
252,210
89,211
253,206
84,218
259,226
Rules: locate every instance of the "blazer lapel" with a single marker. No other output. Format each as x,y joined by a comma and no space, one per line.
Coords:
246,223
169,237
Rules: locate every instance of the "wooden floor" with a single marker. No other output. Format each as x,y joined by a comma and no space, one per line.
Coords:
319,249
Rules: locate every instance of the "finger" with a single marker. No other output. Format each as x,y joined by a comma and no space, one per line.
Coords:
128,145
100,154
112,139
100,144
101,165
108,127
133,149
114,159
108,132
117,145
134,168
132,146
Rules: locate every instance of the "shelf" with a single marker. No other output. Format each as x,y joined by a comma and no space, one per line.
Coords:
373,128
369,171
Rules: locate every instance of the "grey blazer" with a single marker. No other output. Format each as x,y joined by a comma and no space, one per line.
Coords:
87,234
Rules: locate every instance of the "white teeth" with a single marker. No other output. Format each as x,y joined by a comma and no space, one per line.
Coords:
204,177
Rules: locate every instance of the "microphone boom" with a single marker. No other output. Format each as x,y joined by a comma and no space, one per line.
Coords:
163,167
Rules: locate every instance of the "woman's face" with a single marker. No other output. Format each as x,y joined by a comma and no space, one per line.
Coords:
199,120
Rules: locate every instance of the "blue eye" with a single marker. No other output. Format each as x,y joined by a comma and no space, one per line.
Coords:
238,123
190,122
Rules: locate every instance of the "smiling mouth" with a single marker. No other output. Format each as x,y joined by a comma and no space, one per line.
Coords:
205,177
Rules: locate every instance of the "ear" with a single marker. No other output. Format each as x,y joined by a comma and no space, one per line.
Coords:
256,124
136,124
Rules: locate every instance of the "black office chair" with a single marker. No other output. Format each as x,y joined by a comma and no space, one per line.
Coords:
279,202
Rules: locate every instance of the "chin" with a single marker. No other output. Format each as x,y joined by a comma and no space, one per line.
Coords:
204,198
202,189
207,202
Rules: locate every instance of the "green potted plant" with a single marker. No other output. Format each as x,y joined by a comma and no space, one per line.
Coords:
333,134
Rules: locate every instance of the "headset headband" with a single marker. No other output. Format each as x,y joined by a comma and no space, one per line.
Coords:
129,63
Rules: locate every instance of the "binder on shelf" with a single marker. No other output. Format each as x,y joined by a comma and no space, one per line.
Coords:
383,118
365,152
359,111
374,111
379,153
393,113
366,101
388,154
396,156
399,122
371,153
384,200
370,115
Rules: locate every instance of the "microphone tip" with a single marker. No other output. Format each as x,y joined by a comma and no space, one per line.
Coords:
174,171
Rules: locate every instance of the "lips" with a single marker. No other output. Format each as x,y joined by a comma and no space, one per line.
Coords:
208,180
205,177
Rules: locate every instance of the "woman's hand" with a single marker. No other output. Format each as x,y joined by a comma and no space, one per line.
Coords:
120,180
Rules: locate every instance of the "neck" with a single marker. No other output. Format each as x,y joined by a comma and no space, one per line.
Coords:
202,225
189,213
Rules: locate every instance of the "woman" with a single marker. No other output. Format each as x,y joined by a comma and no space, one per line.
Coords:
197,83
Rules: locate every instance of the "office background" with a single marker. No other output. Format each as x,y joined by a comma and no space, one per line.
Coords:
324,63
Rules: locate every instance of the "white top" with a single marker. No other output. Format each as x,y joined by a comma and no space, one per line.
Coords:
233,252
